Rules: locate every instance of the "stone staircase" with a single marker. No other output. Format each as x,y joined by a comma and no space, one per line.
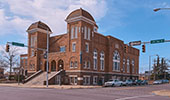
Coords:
41,78
33,76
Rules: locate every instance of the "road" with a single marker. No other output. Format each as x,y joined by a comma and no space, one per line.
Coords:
111,93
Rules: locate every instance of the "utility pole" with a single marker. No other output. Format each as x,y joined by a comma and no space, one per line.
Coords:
149,68
150,65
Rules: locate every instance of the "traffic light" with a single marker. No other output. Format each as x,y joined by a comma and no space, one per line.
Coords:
7,48
143,48
126,48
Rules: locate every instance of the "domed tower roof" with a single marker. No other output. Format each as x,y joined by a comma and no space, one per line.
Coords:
80,12
39,25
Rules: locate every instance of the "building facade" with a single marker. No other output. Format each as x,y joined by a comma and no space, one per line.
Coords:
86,56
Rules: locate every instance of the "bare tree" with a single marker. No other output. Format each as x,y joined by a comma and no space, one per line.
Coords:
9,59
160,68
2,63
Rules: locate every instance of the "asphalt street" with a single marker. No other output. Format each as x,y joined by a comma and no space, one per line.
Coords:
109,93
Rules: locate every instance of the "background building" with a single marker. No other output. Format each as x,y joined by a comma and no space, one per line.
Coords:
1,73
86,56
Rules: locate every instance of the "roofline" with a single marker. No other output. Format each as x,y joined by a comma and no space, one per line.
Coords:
38,29
80,18
108,36
58,35
81,12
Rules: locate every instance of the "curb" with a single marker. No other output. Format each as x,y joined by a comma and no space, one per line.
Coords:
50,87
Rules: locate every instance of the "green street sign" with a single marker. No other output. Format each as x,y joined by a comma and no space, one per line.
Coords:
18,44
157,41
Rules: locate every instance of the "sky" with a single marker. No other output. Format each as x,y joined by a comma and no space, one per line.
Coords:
128,20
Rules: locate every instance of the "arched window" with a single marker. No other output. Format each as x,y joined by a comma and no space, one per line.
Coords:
133,66
116,61
85,32
88,64
102,60
76,32
95,60
53,65
73,62
88,37
72,32
128,66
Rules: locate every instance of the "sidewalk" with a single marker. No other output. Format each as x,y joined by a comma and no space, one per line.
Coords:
50,86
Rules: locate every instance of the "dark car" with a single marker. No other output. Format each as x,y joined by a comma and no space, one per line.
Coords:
165,81
138,82
134,82
144,82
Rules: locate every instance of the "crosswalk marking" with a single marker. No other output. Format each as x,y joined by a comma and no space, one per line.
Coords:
127,98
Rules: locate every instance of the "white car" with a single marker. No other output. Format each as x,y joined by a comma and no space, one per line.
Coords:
113,83
157,82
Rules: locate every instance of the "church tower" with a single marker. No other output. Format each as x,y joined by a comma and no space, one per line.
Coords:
81,27
37,38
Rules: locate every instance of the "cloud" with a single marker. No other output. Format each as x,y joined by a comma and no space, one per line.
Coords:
19,14
11,25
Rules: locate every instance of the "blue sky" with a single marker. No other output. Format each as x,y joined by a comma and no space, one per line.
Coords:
128,20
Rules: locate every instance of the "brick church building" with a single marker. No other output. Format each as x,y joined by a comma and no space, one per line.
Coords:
86,56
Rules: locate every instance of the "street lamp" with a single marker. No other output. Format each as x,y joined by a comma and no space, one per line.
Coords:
157,9
150,64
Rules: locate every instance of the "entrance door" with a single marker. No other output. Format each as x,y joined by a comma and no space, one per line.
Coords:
53,65
45,68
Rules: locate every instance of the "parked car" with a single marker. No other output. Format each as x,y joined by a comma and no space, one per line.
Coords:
157,82
138,82
127,83
144,82
113,83
165,81
133,82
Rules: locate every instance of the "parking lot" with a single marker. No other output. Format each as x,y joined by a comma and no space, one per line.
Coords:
145,92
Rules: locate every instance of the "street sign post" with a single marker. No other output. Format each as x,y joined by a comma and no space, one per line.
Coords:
134,43
18,44
157,41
